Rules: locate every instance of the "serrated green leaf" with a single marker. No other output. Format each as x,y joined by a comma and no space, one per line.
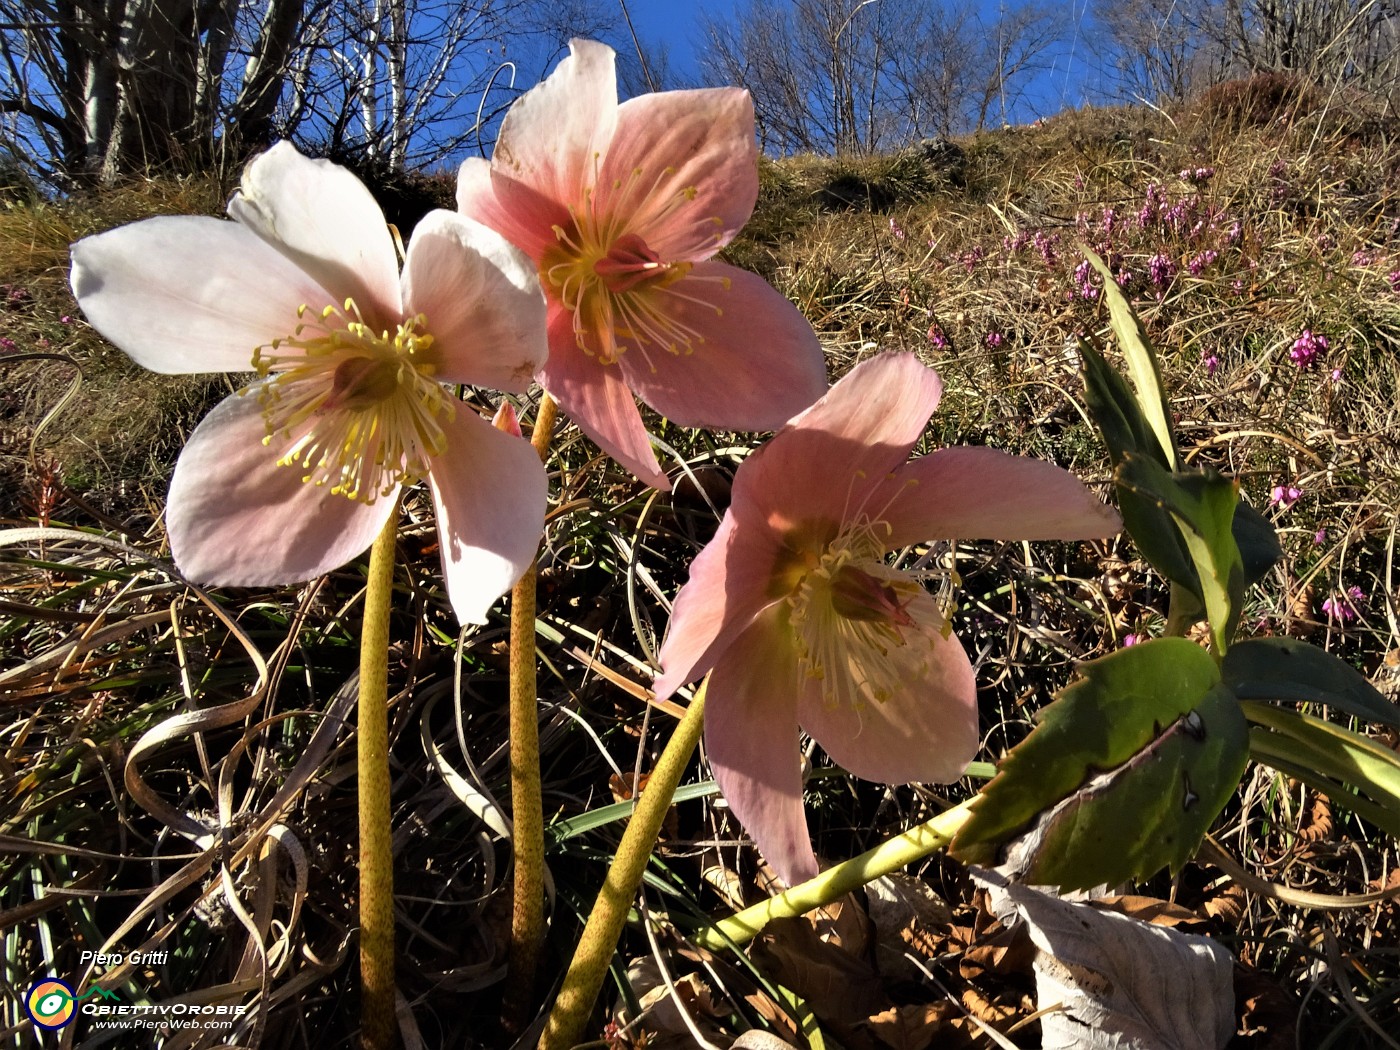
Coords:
1123,776
1202,504
1287,669
1138,354
1328,750
1257,540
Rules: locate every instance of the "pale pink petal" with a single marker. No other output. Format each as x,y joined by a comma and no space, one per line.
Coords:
597,398
188,294
982,493
323,218
757,365
554,135
752,744
515,211
823,466
926,732
489,489
730,583
682,170
482,301
236,518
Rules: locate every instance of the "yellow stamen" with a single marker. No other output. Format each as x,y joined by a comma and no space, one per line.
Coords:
374,407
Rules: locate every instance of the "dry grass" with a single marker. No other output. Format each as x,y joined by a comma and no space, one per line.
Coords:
972,264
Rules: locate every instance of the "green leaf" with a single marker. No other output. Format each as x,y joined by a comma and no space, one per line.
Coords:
1287,669
1138,354
1203,506
1328,750
1124,775
1126,433
1258,542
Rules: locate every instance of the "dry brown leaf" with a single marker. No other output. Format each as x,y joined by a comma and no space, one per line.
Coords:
839,987
1227,904
913,1027
1316,824
774,1014
1150,909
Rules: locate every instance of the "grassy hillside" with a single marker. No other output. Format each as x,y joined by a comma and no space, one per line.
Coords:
1258,235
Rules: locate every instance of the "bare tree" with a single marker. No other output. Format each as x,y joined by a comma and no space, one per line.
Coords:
98,88
864,75
1168,49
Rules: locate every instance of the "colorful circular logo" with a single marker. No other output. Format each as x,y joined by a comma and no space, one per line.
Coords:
50,1003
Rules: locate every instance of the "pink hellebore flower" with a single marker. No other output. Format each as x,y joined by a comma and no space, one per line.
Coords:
297,473
621,208
794,611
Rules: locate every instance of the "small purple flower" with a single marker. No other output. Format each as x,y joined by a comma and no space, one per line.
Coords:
1160,269
1284,496
8,345
1307,348
1045,244
896,229
1362,258
1319,537
1200,262
995,339
1394,278
1131,639
971,257
936,337
1335,378
1108,221
1084,286
1236,232
1211,362
1196,176
1343,608
65,319
1151,205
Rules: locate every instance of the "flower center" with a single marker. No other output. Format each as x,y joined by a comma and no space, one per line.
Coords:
375,408
864,630
619,290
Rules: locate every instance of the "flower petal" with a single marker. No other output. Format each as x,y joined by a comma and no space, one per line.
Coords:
823,466
597,398
552,136
323,218
188,294
983,493
512,209
482,301
729,585
759,363
489,489
927,732
236,518
751,742
682,170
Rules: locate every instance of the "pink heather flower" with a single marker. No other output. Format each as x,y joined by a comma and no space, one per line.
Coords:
1319,537
1212,363
1131,639
896,229
8,345
1343,608
297,473
1307,348
1393,278
1335,376
1200,261
1160,269
621,207
1284,496
801,623
1235,233
65,319
995,339
936,337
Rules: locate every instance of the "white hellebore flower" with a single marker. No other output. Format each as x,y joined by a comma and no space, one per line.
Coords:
298,472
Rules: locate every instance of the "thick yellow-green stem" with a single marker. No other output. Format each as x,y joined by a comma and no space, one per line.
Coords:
600,934
379,1031
834,883
527,813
